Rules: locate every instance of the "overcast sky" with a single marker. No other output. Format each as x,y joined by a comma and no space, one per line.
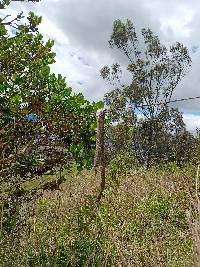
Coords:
81,30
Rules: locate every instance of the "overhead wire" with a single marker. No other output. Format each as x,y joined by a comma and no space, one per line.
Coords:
159,103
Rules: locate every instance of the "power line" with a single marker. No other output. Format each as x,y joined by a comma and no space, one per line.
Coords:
172,101
159,103
184,99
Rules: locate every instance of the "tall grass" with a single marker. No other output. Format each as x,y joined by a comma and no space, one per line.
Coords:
145,219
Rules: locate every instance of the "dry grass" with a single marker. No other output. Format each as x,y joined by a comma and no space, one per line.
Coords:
142,221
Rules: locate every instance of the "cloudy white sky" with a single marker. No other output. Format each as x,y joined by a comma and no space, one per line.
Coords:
81,30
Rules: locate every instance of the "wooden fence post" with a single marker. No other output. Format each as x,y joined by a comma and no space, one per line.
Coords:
99,160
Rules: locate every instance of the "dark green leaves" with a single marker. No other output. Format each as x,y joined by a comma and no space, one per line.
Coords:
44,124
99,105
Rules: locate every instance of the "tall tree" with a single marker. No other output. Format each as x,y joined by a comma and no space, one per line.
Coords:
155,72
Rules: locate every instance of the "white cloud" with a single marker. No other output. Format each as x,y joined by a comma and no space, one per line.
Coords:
87,25
192,122
81,30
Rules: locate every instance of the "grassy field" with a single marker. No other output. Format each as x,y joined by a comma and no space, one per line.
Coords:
146,218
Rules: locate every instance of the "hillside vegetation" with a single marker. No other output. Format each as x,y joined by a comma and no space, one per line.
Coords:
146,218
142,207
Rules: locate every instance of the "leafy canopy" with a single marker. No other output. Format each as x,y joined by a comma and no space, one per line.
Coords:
154,72
43,124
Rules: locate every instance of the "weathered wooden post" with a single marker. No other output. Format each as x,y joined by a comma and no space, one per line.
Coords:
99,160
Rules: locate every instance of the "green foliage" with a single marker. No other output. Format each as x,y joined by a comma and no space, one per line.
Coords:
155,71
44,124
120,165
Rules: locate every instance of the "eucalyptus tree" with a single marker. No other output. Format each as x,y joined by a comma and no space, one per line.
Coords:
154,71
